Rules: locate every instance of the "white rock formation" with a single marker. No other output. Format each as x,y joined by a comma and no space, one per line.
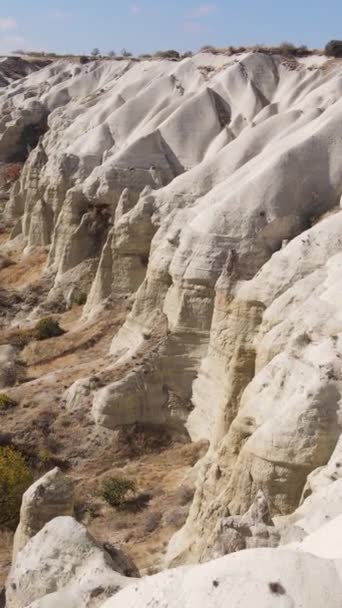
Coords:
305,574
252,530
326,541
263,578
50,496
289,420
67,599
63,557
211,200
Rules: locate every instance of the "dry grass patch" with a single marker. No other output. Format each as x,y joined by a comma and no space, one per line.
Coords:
6,543
9,174
23,270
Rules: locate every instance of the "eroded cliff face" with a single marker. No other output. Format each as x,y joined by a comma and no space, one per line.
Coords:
207,203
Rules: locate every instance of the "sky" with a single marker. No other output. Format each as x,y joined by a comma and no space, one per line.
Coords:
78,26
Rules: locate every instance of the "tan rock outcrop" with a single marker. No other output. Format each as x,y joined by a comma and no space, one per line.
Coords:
49,497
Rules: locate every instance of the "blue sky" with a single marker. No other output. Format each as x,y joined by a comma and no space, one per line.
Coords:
140,26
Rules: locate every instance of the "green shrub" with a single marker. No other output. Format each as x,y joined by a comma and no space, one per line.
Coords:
6,403
302,51
207,49
116,489
48,328
287,48
168,54
15,478
80,298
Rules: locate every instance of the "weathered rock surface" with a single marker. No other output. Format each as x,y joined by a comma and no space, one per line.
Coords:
304,575
8,365
63,557
262,578
15,68
249,531
49,497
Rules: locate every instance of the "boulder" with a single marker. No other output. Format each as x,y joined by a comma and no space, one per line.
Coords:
63,557
49,497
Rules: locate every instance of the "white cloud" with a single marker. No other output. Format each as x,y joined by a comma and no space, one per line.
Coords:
194,22
58,14
7,23
203,10
195,28
135,9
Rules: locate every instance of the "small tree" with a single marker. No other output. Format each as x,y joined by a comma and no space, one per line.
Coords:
333,48
126,53
112,54
287,48
95,52
207,48
302,51
15,478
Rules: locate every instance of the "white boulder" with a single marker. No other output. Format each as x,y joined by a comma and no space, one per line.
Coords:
63,557
50,496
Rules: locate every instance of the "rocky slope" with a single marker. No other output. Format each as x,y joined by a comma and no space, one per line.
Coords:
199,201
15,68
